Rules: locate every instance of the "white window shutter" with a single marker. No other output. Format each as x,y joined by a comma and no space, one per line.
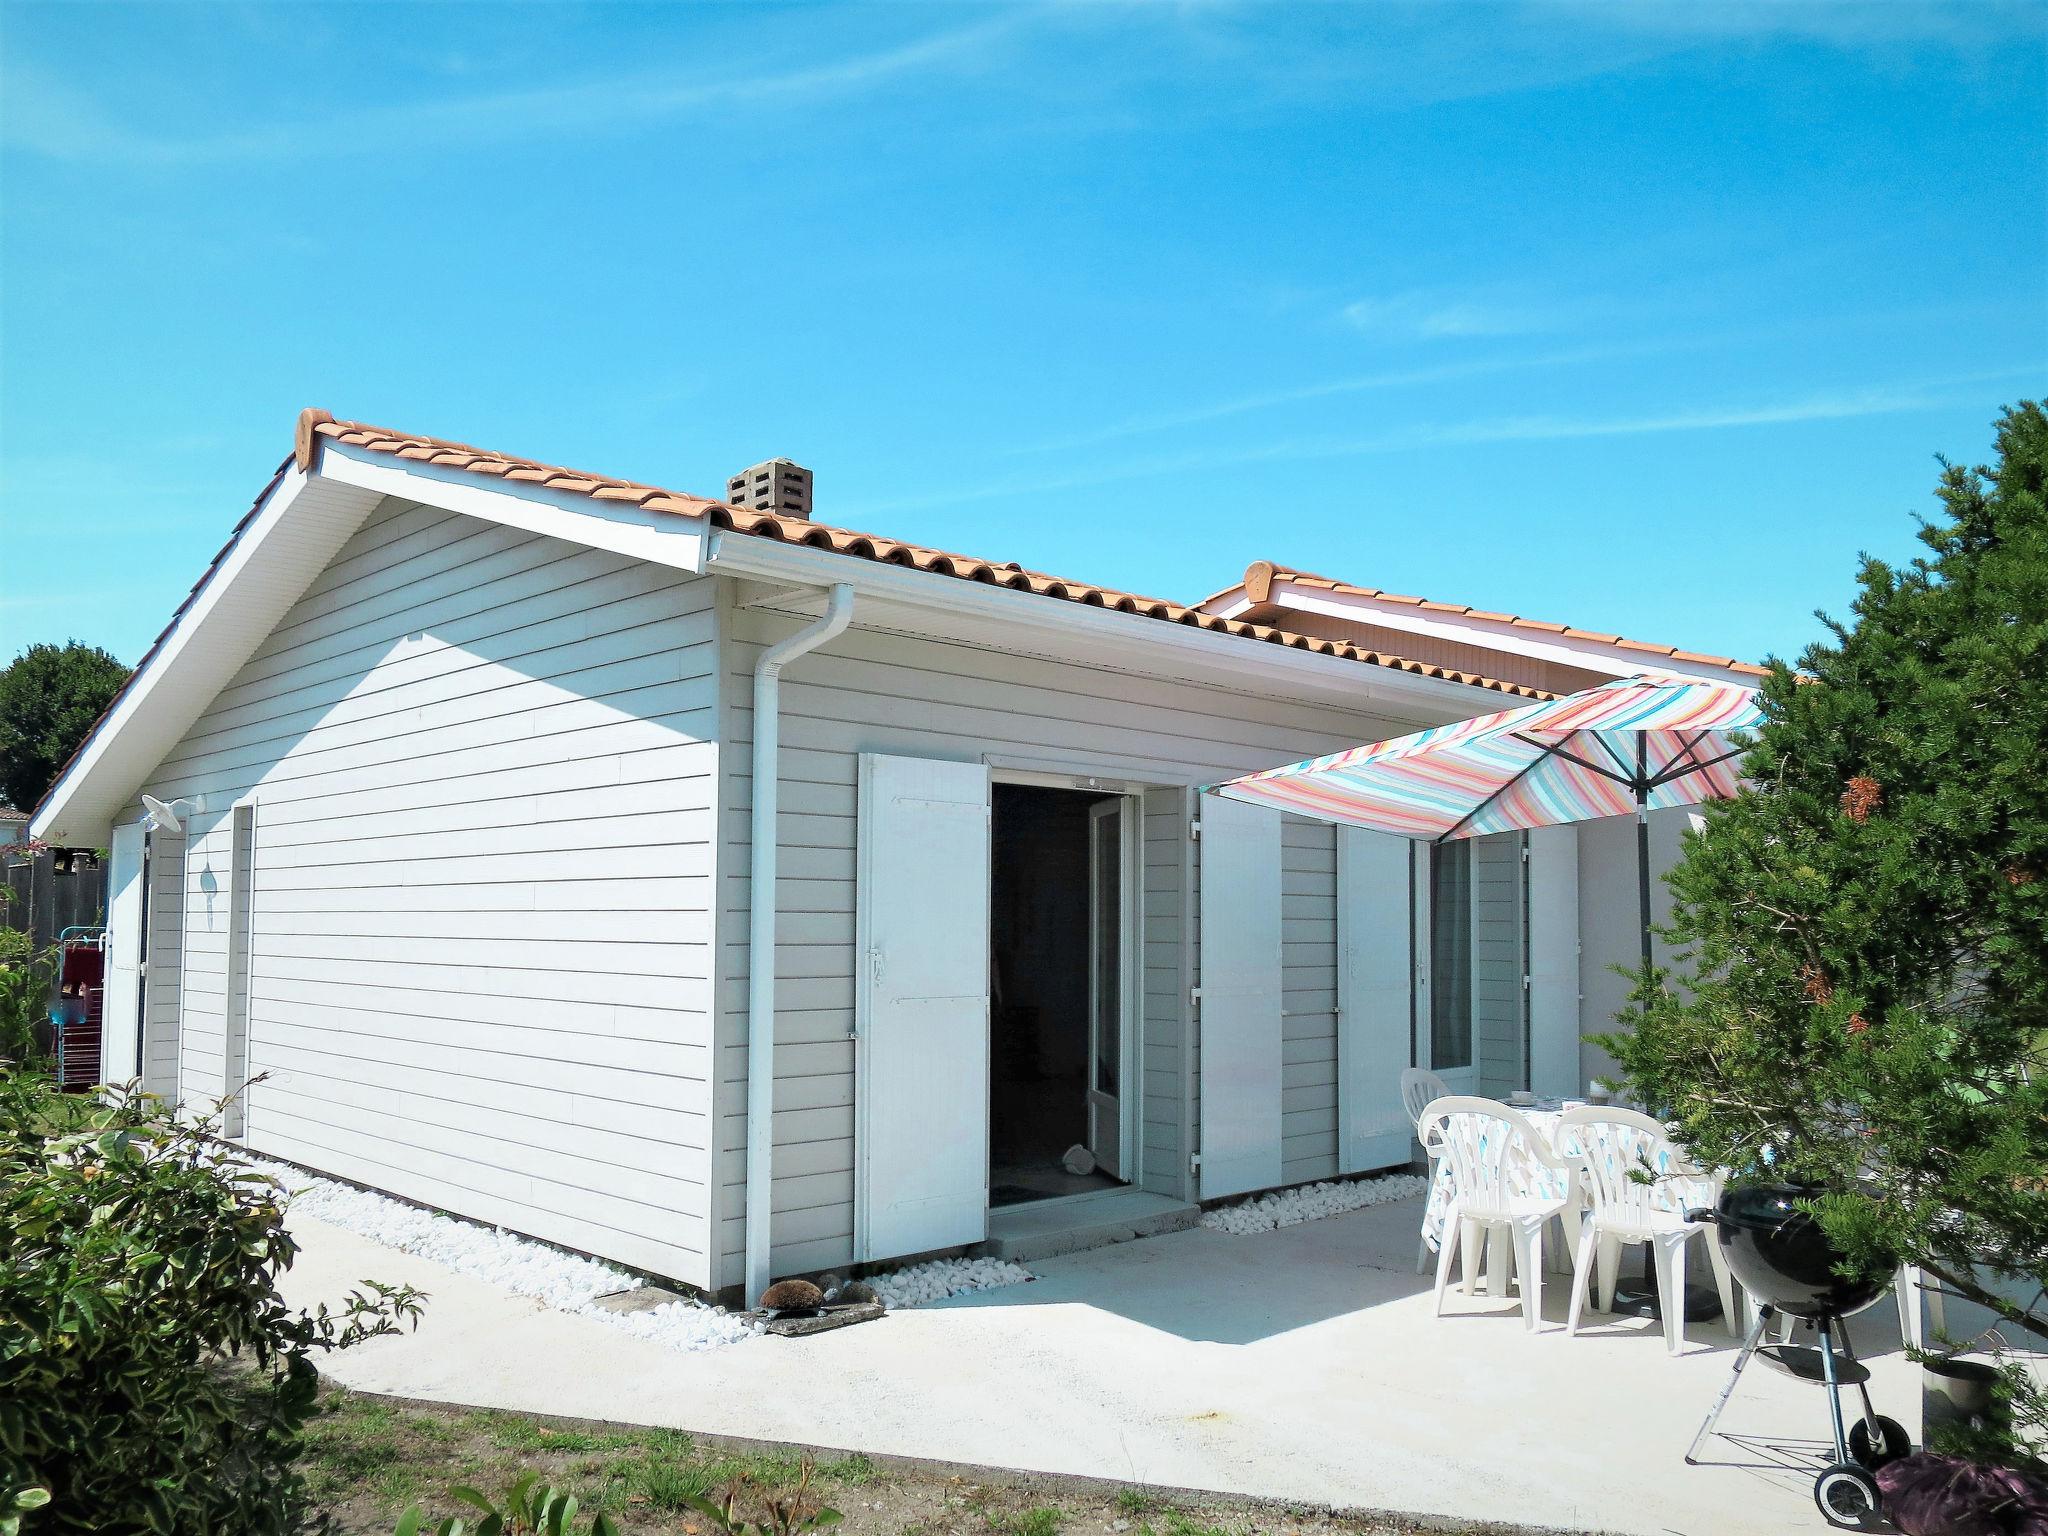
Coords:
1240,982
121,1004
921,1005
1553,951
1374,998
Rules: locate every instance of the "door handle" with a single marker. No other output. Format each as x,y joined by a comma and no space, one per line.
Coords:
875,966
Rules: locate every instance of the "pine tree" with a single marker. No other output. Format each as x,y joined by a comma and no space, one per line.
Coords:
1869,923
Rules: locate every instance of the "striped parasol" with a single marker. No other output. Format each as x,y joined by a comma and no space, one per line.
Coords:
1631,746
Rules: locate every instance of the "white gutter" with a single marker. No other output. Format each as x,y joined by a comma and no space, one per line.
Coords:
1105,637
761,929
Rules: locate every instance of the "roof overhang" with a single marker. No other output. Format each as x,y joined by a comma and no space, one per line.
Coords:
294,529
1283,596
662,537
921,603
320,497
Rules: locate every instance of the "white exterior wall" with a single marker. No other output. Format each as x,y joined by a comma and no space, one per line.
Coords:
872,692
1610,924
484,765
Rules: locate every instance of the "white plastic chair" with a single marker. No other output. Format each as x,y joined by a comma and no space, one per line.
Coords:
1419,1086
1507,1184
1608,1146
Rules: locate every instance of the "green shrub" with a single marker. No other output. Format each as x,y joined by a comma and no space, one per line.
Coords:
26,977
151,1378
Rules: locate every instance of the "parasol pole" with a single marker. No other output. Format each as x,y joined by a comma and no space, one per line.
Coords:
1642,787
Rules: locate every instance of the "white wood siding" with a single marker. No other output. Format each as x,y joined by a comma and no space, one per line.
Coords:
887,693
481,947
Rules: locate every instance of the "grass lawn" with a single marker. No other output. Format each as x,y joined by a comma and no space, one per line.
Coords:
368,1458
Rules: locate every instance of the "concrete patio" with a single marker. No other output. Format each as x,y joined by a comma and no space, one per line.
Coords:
1300,1364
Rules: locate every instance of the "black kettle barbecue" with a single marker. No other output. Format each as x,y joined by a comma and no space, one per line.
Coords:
1787,1265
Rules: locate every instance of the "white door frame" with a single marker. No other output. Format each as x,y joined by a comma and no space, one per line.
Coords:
1084,781
1130,950
1463,1079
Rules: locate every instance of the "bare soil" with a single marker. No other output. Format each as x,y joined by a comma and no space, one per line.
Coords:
369,1458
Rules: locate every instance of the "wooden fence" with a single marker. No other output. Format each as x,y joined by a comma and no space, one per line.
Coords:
49,891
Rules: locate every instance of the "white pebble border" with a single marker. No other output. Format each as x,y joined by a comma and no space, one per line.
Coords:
559,1280
937,1279
1312,1202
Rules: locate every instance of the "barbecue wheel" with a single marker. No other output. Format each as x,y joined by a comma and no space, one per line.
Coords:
1895,1444
1847,1497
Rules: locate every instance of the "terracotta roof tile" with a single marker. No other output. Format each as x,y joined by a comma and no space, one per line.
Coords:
316,425
1258,585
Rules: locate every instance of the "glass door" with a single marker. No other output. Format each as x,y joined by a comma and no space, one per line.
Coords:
1452,1055
1107,989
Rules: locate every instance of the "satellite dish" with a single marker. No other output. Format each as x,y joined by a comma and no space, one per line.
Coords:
162,817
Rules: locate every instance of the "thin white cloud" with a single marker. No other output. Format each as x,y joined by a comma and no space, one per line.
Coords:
49,116
1423,315
1845,24
1828,406
1403,378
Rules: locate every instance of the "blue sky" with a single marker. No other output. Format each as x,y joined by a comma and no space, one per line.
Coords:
1645,318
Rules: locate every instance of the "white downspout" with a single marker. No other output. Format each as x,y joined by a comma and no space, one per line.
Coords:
761,929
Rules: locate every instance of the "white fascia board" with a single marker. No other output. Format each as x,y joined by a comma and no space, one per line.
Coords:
1463,629
672,539
1233,606
289,539
1125,642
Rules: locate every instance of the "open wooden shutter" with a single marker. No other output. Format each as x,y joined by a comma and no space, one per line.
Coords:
921,1006
1374,968
121,1008
1239,1013
1553,951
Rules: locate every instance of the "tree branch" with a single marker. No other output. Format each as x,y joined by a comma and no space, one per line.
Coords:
2012,1312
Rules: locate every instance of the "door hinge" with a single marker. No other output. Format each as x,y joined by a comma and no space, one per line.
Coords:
1194,1162
1194,999
1195,830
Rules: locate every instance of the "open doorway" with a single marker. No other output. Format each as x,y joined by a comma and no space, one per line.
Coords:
1061,1001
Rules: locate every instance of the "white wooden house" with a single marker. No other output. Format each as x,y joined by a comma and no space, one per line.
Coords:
463,838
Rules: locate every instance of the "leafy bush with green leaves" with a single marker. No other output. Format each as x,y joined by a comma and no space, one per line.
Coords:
50,695
26,976
1868,923
531,1508
152,1380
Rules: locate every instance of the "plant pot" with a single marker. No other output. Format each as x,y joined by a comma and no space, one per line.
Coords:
1954,1391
